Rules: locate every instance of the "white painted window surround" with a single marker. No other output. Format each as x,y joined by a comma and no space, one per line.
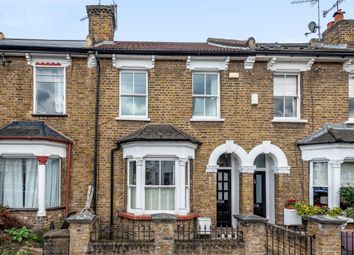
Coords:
30,149
206,96
337,157
133,95
49,94
351,99
173,165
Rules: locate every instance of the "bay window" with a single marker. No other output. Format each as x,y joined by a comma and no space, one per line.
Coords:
286,96
49,90
160,186
133,94
347,174
320,183
206,95
19,183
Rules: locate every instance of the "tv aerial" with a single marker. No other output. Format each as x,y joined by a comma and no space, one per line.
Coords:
335,5
313,26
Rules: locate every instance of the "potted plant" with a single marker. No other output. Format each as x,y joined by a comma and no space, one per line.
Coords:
291,218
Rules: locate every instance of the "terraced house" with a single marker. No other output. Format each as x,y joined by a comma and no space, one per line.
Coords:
196,130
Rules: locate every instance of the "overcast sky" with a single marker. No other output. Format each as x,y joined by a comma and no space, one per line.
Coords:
168,20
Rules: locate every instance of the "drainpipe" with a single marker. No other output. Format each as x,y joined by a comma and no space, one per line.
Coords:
68,167
95,155
112,184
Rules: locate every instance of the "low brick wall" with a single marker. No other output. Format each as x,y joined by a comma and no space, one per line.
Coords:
29,217
56,242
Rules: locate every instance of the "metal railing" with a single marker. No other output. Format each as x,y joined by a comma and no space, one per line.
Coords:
124,232
347,242
189,232
288,241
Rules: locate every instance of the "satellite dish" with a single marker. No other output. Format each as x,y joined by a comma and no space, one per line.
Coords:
312,26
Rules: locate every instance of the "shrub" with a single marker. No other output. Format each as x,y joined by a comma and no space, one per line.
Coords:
23,234
305,209
7,220
347,196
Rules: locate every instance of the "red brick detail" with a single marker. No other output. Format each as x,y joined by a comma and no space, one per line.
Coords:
147,217
130,216
189,216
42,160
47,64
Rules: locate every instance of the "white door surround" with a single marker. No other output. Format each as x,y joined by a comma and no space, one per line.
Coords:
243,162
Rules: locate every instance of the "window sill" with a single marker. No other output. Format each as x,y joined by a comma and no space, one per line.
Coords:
49,115
285,120
350,121
133,118
207,120
36,209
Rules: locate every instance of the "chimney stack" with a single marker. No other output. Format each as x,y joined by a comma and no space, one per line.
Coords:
102,22
340,30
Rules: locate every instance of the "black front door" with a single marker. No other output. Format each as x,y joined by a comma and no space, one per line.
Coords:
223,196
260,194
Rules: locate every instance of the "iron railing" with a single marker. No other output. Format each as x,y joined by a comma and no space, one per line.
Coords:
189,232
124,232
288,241
347,243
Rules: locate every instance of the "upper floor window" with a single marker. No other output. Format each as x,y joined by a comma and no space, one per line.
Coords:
206,95
49,90
286,96
133,94
351,96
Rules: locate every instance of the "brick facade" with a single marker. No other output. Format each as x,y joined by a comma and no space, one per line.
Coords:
324,99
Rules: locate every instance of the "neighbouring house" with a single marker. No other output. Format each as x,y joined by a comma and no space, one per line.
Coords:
209,129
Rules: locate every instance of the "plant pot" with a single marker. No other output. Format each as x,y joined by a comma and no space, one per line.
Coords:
339,16
330,24
291,218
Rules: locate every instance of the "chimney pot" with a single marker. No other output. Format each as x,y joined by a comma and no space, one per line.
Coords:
102,22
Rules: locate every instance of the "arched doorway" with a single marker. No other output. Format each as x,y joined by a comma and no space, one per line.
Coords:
264,201
227,190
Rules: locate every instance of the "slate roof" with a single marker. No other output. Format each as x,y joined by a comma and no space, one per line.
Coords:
212,46
158,132
330,133
32,130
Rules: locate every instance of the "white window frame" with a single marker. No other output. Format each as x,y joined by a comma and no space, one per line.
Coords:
298,106
160,186
350,77
134,117
218,103
311,186
35,90
26,156
176,185
188,186
128,182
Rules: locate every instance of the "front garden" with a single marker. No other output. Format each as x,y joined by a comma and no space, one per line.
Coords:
16,238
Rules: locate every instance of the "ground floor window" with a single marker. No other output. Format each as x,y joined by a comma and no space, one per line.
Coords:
160,184
19,182
347,174
320,183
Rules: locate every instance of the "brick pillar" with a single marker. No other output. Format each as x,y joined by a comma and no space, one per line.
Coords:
279,199
254,232
246,193
163,225
80,229
327,234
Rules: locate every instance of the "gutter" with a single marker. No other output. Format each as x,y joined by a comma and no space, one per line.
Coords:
95,146
112,185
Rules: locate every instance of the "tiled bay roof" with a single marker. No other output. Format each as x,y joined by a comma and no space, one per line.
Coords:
32,130
330,133
158,132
